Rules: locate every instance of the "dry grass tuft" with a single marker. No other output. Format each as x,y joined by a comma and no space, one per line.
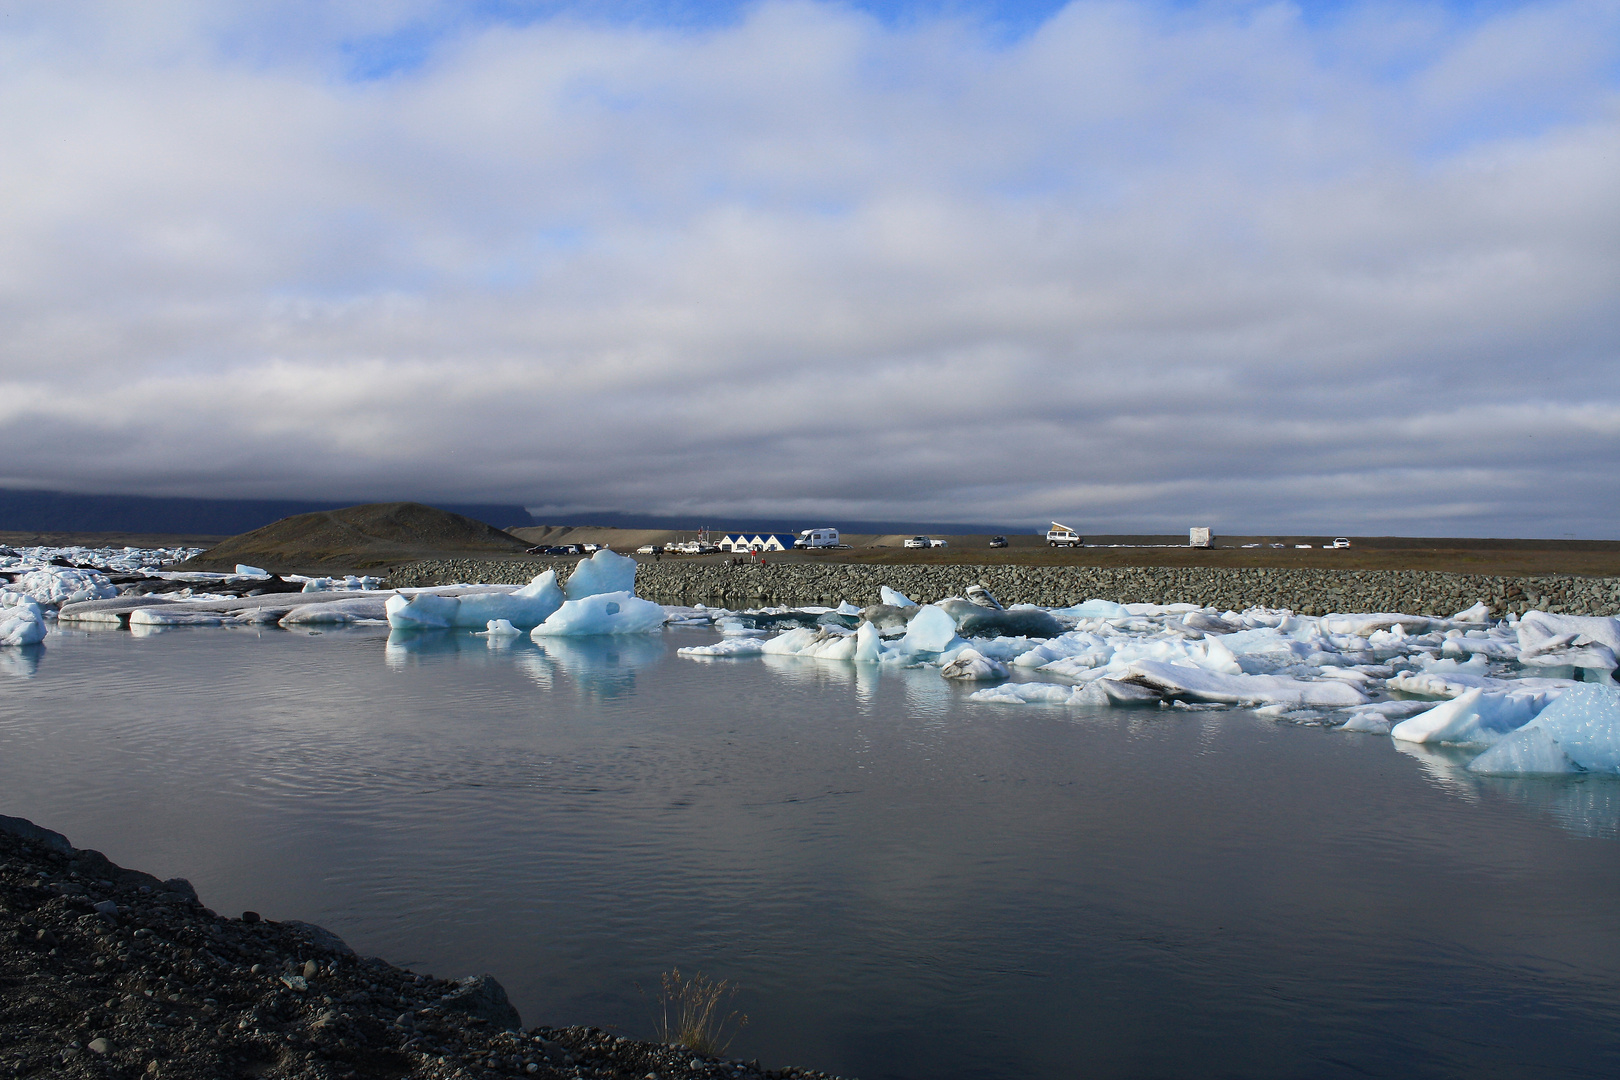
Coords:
690,1012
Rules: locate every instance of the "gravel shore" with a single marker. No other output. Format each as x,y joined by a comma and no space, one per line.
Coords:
111,973
1308,592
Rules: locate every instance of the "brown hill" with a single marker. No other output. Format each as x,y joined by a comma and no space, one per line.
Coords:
358,538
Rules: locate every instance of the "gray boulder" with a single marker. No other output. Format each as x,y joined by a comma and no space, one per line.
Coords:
483,997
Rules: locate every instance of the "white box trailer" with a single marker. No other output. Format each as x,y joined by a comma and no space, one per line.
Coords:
1199,538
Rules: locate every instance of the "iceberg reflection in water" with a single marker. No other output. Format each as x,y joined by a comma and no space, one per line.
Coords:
1585,805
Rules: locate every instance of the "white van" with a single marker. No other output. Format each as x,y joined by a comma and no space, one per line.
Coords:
817,538
1060,535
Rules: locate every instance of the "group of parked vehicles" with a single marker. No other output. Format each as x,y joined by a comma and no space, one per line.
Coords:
563,549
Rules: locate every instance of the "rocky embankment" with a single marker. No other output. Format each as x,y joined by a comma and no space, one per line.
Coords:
111,973
1309,592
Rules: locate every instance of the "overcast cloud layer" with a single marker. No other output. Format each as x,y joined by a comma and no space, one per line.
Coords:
1140,267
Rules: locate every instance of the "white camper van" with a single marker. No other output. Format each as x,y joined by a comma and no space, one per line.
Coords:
817,538
1060,535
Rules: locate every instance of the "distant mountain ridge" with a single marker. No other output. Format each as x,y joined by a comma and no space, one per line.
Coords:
60,511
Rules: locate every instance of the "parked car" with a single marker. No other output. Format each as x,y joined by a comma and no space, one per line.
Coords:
919,542
932,542
998,541
1341,541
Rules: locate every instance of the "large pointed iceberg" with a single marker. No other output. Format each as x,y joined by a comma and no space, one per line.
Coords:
604,572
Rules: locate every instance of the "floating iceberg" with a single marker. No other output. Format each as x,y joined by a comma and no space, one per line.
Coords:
1476,717
731,646
22,621
821,643
524,608
337,612
604,572
1580,732
602,613
1201,684
931,630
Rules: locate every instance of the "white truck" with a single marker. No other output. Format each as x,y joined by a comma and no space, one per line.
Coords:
1060,535
817,538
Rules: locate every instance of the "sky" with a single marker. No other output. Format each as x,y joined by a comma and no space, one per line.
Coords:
1340,267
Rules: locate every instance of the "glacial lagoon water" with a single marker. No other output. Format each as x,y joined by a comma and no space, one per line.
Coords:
904,883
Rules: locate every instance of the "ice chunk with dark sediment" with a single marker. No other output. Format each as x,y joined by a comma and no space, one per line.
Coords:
979,620
970,665
1200,684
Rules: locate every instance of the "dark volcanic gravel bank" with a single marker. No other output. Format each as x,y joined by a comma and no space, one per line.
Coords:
111,973
1309,592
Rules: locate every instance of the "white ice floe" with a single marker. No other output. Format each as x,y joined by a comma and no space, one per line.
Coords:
1451,682
347,583
126,560
22,620
1367,624
1547,640
525,608
604,572
54,585
1580,732
499,628
1201,684
1477,717
819,643
1375,717
244,570
731,646
602,613
888,596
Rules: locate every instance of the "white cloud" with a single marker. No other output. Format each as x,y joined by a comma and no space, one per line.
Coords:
1143,265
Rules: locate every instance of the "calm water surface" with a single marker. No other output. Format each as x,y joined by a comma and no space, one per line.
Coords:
904,883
